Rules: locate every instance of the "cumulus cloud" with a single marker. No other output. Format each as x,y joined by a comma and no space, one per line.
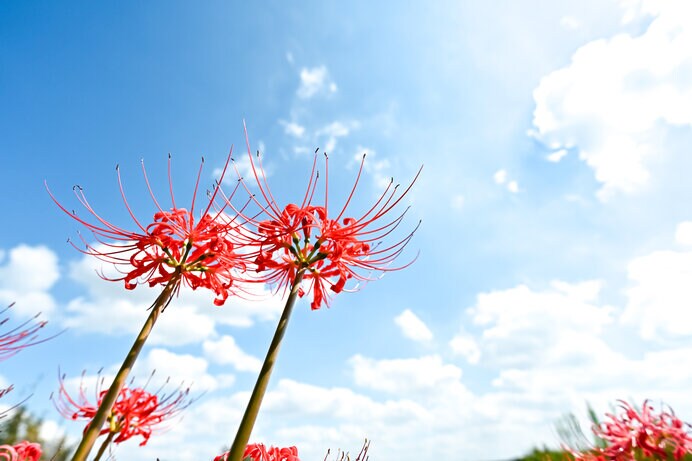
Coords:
614,98
314,81
413,327
522,326
186,369
226,351
27,273
660,294
403,376
465,345
683,233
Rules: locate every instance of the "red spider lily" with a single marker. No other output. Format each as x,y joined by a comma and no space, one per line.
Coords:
201,250
258,452
23,451
633,434
19,337
135,412
330,251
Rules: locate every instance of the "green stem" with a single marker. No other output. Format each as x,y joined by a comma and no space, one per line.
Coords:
92,431
104,445
253,406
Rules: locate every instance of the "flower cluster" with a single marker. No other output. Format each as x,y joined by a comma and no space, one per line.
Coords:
327,250
258,452
640,435
304,249
23,451
175,246
136,412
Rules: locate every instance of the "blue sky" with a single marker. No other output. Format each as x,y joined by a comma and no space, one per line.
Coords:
556,245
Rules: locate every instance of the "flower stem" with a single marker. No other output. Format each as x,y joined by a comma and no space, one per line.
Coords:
247,423
94,427
104,445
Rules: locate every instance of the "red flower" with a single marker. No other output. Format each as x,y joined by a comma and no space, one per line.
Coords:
330,250
18,337
258,452
23,451
135,412
201,250
632,434
28,451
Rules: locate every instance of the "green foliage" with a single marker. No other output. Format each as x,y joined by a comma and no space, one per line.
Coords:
546,454
23,426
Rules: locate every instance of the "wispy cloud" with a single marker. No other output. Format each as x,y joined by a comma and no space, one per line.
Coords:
333,131
315,81
293,129
501,177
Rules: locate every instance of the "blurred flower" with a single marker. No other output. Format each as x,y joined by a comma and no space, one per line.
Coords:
23,451
258,452
135,412
201,250
28,451
330,250
639,435
19,337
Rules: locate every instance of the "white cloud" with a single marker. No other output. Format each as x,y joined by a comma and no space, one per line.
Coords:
226,351
26,275
683,233
557,155
661,294
612,101
500,177
413,327
182,369
403,376
293,129
335,130
521,326
466,346
315,81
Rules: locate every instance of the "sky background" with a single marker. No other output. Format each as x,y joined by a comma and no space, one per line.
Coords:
555,260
